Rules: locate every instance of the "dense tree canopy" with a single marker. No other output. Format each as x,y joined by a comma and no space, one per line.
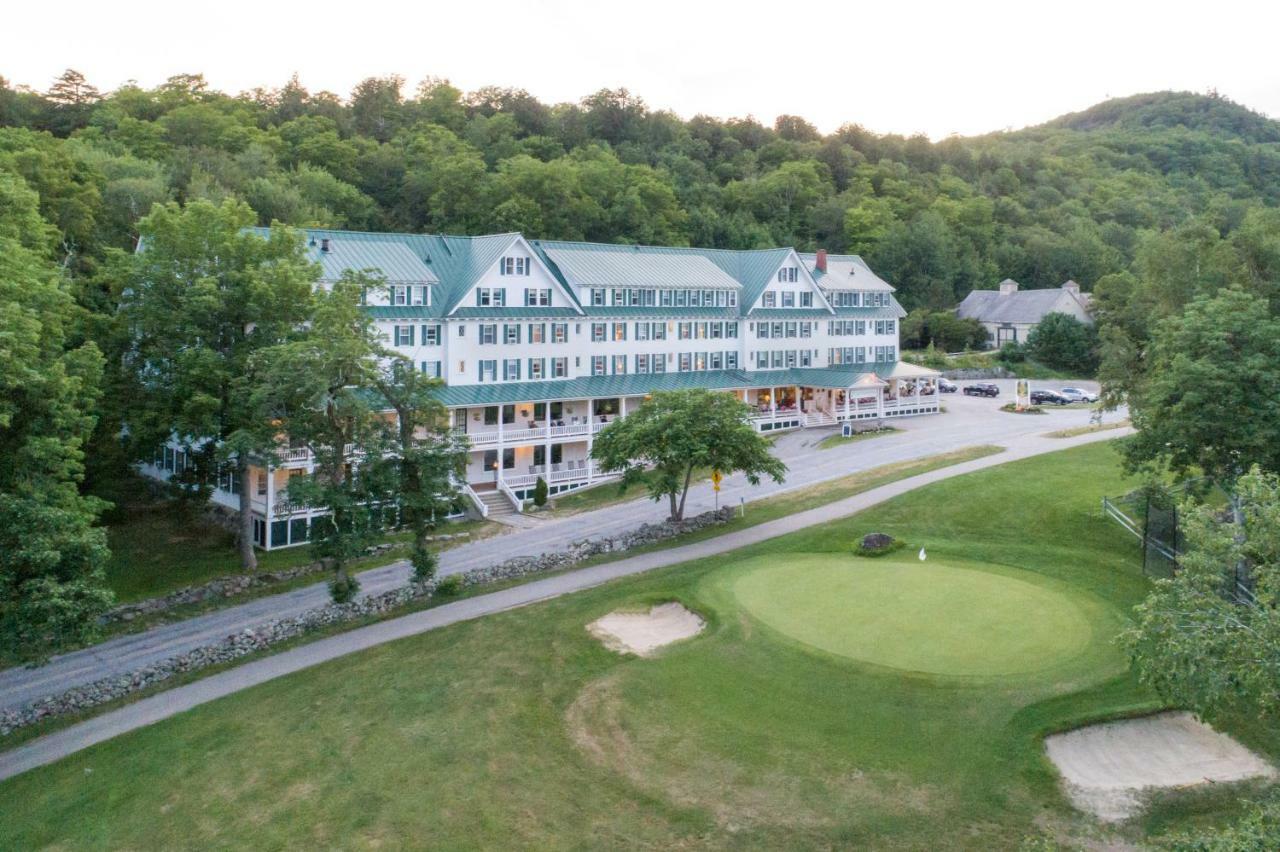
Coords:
1082,197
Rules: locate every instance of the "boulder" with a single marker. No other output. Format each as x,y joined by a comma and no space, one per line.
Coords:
877,541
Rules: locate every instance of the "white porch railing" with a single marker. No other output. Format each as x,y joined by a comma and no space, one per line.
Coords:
479,504
570,471
525,434
516,502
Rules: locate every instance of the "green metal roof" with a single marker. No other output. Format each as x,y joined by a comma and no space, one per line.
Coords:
520,312
661,313
603,265
504,393
789,314
390,312
453,264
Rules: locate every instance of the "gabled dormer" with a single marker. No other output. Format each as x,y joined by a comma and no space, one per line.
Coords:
500,273
789,285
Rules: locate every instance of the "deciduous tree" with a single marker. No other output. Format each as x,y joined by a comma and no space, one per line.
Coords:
675,433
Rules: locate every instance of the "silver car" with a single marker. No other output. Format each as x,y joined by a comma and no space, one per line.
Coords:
1078,395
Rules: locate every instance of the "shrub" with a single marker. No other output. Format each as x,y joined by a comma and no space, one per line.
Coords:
343,588
449,587
1063,342
540,493
1012,353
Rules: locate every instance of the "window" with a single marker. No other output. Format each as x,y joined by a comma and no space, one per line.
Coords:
403,335
806,299
597,297
700,330
515,266
598,331
788,274
715,330
511,334
806,329
399,295
659,331
488,333
537,298
489,371
791,329
462,331
619,365
642,333
659,363
420,294
642,363
686,362
511,370
716,362
762,330
789,299
537,369
431,335
262,483
769,300
685,330
599,365
559,368
538,332
665,298
791,358
806,358
431,368
559,332
731,360
484,297
619,331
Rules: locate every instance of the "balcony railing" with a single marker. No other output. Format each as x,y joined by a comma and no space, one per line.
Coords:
517,434
571,471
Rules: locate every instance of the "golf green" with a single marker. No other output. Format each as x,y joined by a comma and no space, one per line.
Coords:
933,616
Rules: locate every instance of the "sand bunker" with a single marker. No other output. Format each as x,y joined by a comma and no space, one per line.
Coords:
1109,768
642,633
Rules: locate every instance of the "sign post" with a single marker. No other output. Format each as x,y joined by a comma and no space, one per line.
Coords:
716,478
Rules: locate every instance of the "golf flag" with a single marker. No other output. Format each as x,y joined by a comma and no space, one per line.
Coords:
922,554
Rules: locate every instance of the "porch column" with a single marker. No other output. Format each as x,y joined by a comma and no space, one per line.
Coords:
622,406
848,392
880,403
501,411
773,404
546,453
267,508
591,434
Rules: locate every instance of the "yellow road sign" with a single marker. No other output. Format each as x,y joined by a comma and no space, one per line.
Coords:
716,478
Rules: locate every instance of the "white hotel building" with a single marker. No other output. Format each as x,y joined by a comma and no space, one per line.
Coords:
542,343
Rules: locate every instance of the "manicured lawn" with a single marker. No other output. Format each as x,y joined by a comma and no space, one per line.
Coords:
605,494
963,619
1085,430
520,730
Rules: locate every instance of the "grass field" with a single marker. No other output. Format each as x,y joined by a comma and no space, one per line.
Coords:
838,440
521,730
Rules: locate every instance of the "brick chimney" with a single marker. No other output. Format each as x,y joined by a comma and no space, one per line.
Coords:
1008,286
324,244
821,261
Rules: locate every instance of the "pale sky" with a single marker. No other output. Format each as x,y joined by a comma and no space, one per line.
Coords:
938,68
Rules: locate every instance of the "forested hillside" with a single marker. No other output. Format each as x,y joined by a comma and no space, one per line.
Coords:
1081,197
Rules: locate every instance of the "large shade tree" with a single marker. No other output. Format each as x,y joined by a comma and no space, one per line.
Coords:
51,554
676,433
200,299
1210,402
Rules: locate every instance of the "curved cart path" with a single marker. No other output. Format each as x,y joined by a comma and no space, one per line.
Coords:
54,746
968,421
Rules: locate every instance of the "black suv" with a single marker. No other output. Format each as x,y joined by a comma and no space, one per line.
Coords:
981,389
1049,397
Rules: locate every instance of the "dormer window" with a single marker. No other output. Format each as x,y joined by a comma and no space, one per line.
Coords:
399,295
491,297
769,300
789,299
789,274
419,294
515,266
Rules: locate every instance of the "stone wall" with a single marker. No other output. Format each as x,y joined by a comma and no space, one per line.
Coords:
271,633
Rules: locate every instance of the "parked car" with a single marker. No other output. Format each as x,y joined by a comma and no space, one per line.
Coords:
981,389
1078,395
947,386
1044,396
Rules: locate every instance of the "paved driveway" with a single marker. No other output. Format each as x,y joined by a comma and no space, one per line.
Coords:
967,422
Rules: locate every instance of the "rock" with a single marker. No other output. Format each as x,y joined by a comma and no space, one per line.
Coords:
876,541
